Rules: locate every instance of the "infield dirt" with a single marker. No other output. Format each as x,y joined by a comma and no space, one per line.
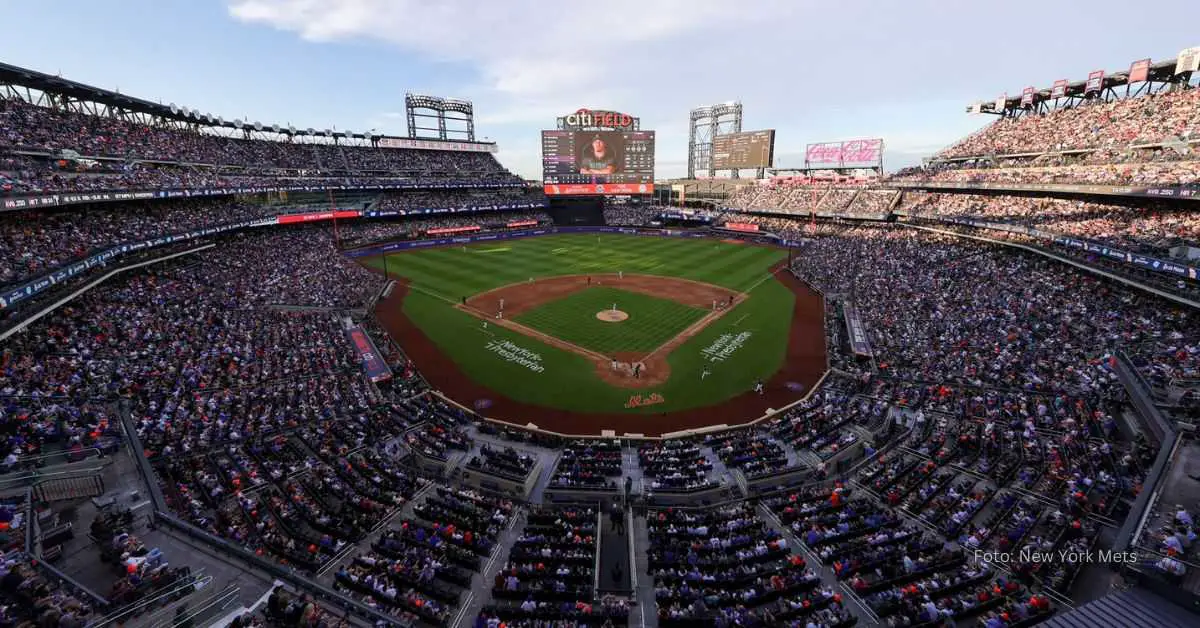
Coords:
522,297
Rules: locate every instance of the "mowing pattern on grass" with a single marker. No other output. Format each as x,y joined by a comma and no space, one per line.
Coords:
453,272
651,322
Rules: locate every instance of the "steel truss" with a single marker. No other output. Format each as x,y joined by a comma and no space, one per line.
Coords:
421,109
704,124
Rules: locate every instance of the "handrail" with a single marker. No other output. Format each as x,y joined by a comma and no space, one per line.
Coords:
99,600
229,594
146,602
27,459
29,521
311,587
1152,488
92,284
35,476
599,542
156,494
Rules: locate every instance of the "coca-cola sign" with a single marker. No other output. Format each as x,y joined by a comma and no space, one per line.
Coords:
850,152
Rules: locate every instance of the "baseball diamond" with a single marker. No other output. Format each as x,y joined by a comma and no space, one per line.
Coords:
471,316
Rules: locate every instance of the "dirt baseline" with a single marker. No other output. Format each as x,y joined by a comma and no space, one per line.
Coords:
632,370
803,366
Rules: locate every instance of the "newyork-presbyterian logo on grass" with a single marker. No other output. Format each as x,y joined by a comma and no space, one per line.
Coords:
725,345
516,354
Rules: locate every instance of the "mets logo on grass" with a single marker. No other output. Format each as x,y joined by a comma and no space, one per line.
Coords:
516,354
641,401
725,345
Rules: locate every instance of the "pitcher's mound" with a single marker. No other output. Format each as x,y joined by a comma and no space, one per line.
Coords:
611,316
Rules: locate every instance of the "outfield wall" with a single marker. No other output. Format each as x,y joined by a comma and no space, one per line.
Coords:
392,247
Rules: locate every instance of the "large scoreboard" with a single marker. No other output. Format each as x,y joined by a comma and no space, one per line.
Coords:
751,149
597,153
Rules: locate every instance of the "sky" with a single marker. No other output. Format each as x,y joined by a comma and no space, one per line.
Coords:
814,70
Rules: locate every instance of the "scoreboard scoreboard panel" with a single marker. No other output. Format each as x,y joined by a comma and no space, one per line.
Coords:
750,149
597,162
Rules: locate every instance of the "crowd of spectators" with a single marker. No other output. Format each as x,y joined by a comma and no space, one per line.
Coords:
786,197
550,575
38,241
34,599
1172,173
1149,119
433,227
675,466
631,215
506,462
588,464
418,570
784,227
927,299
1138,226
422,201
45,150
725,566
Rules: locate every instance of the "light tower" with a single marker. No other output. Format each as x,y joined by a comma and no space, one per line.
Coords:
704,124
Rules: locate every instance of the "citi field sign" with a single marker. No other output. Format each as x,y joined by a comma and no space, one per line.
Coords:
588,118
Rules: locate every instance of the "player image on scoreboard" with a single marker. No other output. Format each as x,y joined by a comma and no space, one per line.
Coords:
600,152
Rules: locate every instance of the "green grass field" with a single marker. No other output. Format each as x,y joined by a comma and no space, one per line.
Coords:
651,321
746,344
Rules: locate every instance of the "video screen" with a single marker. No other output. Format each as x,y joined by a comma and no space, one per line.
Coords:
598,162
751,149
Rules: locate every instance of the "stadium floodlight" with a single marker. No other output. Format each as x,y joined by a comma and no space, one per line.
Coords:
258,126
237,123
174,109
291,129
328,132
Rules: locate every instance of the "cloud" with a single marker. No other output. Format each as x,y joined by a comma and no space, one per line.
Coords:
537,60
814,71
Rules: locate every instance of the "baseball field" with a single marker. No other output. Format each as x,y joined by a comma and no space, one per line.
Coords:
612,327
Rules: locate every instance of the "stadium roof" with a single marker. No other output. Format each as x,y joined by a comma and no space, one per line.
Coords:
1162,71
13,75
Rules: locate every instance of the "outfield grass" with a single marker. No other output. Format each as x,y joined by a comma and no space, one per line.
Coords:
455,272
759,325
652,321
